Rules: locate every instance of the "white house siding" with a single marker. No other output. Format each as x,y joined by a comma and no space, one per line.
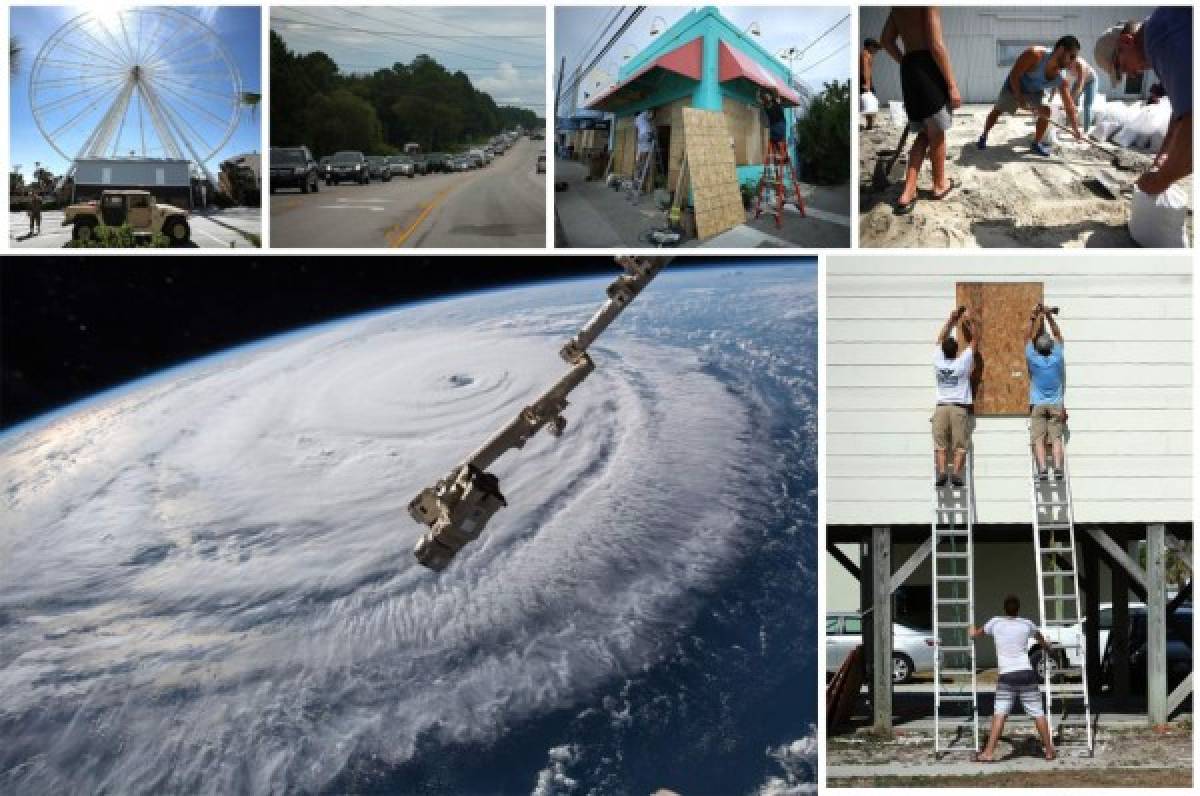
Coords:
1127,323
972,36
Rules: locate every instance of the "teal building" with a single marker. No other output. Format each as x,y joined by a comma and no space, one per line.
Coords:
702,61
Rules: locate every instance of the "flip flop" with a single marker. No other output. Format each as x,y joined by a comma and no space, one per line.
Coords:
937,197
978,758
904,209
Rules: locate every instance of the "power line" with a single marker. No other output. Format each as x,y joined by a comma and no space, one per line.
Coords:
634,14
321,25
600,36
811,66
823,35
423,35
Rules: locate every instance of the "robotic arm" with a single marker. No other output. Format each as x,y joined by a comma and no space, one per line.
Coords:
457,507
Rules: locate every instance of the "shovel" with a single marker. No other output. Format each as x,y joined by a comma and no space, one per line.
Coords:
1110,184
882,177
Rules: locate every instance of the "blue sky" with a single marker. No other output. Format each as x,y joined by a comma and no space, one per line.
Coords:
502,50
237,27
830,58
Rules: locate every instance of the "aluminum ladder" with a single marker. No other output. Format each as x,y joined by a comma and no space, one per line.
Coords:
1059,605
955,686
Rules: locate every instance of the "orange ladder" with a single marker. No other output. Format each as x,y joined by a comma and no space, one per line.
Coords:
776,172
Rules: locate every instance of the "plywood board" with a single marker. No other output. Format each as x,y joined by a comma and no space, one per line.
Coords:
624,147
713,176
671,115
745,123
1001,380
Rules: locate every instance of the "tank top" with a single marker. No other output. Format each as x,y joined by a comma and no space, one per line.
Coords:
1036,82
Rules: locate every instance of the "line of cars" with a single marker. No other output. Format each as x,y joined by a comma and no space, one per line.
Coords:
295,167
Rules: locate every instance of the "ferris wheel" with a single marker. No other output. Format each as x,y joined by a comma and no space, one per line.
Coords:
144,82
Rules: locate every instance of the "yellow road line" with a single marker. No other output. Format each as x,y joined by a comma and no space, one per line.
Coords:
396,238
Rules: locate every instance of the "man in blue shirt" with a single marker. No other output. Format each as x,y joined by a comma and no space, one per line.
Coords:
1162,42
1047,375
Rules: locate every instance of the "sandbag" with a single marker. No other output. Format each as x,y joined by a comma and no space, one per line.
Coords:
868,102
1159,222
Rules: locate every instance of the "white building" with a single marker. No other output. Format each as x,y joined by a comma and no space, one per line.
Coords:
170,180
984,43
1127,325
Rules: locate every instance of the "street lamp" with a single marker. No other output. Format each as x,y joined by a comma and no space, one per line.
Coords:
754,30
657,25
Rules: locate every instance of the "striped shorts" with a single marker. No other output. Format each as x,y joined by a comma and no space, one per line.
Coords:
1012,686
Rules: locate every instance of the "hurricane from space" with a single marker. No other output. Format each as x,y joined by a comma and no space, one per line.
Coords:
206,578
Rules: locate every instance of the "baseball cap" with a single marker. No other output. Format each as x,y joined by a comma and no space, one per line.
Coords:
1106,52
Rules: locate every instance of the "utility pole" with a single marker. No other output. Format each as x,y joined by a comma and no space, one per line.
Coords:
562,67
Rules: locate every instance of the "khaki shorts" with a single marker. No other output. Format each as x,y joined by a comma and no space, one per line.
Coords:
951,427
1006,101
1045,423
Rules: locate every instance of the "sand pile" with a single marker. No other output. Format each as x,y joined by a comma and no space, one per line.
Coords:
1007,195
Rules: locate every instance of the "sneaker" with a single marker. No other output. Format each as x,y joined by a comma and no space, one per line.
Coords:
1040,149
1043,475
941,480
956,479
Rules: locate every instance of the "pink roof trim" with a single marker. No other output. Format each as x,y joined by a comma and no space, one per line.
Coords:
684,60
734,64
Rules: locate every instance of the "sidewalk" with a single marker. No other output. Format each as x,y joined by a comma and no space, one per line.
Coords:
594,215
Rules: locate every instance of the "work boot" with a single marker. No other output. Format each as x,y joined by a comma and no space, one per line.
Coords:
941,480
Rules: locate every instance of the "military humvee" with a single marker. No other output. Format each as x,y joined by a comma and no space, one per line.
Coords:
136,208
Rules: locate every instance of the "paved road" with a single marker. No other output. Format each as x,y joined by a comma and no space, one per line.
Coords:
226,229
500,206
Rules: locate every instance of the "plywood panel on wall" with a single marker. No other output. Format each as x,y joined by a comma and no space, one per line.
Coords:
672,114
745,124
712,174
1001,383
624,146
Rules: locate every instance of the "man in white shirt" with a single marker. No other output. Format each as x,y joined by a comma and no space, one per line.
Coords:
952,415
644,124
1017,678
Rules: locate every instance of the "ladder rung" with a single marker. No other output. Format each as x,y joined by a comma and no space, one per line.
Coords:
1058,573
954,601
950,648
1061,622
1061,597
1053,504
953,624
953,578
955,671
952,555
1050,550
955,697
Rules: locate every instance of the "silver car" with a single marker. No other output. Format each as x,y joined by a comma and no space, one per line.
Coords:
912,648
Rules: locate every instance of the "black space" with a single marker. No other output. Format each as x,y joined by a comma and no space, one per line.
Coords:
72,326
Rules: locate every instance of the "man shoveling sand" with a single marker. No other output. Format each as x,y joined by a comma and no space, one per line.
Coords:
1036,71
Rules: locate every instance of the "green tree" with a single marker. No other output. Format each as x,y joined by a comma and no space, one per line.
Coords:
823,136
